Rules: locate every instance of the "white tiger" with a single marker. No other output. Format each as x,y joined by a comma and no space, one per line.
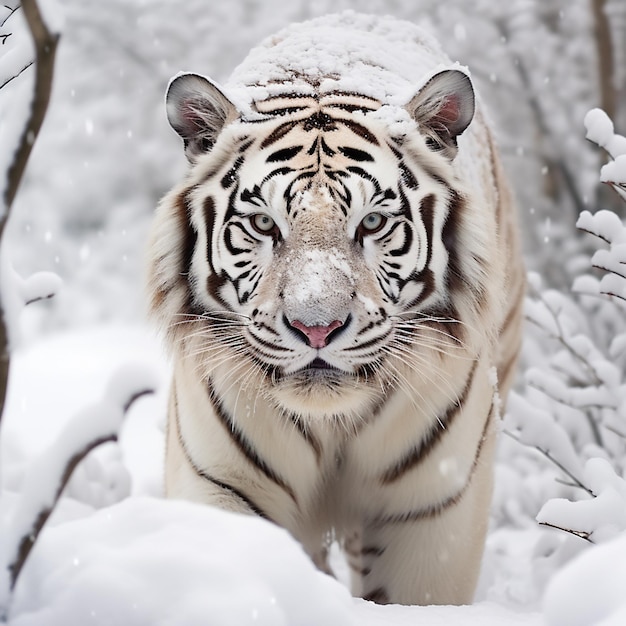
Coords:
339,279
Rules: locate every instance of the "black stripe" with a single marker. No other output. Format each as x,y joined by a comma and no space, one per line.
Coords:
455,278
359,171
355,154
370,343
378,595
408,241
407,176
427,211
360,130
231,176
279,171
283,155
182,213
244,446
278,133
307,435
437,509
228,239
439,428
319,121
255,508
351,108
267,344
215,282
372,551
444,319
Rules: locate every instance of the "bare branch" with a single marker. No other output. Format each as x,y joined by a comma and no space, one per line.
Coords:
585,230
45,49
560,337
613,295
11,12
8,80
550,458
48,296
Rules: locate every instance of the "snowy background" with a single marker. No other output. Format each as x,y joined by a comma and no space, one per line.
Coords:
105,156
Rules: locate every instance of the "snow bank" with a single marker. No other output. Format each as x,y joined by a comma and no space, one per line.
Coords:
149,562
163,563
590,590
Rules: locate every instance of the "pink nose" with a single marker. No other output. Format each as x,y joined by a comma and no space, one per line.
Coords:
316,335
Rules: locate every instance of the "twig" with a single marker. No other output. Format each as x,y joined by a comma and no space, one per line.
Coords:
8,80
550,458
11,12
590,232
581,534
614,430
48,296
561,339
613,295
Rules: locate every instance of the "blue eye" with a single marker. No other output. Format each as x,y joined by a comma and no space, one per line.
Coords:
372,223
263,223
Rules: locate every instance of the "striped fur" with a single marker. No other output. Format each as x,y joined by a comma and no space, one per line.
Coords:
397,253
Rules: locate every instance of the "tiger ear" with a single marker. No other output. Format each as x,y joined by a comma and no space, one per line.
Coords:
443,109
198,111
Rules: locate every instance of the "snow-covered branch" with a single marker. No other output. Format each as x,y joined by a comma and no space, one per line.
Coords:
600,131
50,473
578,392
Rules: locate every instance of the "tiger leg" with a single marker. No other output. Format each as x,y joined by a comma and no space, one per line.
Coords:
186,481
433,556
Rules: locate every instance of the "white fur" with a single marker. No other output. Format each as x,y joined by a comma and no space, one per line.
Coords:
319,459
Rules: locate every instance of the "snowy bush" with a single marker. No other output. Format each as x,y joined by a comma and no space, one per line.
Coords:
574,407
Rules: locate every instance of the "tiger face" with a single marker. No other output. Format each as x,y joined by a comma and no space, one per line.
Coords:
320,256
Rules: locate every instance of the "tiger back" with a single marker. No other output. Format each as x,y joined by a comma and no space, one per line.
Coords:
339,282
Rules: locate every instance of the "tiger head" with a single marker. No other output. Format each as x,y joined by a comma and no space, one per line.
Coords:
311,254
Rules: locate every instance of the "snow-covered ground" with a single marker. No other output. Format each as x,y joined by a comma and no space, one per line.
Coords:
117,553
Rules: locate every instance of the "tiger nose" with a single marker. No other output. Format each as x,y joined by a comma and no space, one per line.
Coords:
316,336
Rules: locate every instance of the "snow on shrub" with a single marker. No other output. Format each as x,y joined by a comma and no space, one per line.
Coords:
590,590
573,407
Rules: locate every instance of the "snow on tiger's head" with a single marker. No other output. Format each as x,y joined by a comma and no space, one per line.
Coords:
325,239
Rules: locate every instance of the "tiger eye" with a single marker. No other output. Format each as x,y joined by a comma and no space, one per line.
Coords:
372,223
262,223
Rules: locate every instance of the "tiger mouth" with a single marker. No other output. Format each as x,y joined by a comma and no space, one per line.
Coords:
319,364
319,369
